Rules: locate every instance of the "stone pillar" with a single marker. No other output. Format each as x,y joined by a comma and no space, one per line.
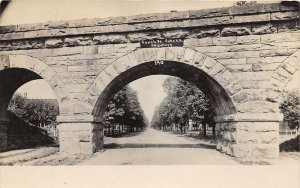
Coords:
80,135
4,133
249,137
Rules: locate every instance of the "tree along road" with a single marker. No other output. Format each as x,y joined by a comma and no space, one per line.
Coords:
153,147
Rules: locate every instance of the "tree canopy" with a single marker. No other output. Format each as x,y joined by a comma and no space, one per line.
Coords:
184,102
39,112
125,109
290,108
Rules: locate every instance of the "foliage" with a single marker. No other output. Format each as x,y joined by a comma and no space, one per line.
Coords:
183,102
290,145
290,108
125,109
39,112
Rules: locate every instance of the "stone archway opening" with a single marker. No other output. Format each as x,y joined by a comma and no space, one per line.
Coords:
217,95
20,125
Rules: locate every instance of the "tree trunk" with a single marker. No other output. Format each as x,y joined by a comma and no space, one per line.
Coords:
214,130
204,129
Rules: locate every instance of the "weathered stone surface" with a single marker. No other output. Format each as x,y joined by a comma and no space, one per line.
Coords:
188,56
175,34
208,64
125,48
211,49
54,43
224,55
284,15
225,78
4,61
287,26
20,45
238,48
136,37
83,68
263,30
233,88
257,107
75,107
255,84
224,41
287,45
197,42
109,39
228,122
279,52
90,49
103,49
240,61
201,33
217,69
67,51
252,76
78,41
282,75
199,59
265,67
249,95
235,31
239,68
246,140
249,39
80,140
289,68
277,38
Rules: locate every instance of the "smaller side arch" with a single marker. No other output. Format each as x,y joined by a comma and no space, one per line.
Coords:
37,66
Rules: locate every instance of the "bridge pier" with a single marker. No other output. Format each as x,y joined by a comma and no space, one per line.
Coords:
249,137
4,121
80,135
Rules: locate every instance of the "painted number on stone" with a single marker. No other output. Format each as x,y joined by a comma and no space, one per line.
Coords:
158,62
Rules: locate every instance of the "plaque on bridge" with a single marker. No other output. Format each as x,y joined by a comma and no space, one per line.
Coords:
160,43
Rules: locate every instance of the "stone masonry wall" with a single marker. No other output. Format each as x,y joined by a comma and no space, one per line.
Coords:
252,59
248,140
255,49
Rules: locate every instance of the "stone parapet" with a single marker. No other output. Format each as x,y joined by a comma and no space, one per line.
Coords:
263,18
276,10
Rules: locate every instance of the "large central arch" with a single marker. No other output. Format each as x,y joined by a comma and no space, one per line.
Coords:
206,73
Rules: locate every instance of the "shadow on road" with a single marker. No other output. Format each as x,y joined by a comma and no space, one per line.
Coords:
130,145
126,134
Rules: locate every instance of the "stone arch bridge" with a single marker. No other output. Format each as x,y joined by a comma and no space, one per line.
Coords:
240,57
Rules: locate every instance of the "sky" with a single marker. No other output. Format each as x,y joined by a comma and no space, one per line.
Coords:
35,11
150,91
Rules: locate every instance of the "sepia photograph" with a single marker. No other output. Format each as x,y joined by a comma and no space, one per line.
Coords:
149,90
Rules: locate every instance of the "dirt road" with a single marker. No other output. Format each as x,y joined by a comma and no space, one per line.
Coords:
153,147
